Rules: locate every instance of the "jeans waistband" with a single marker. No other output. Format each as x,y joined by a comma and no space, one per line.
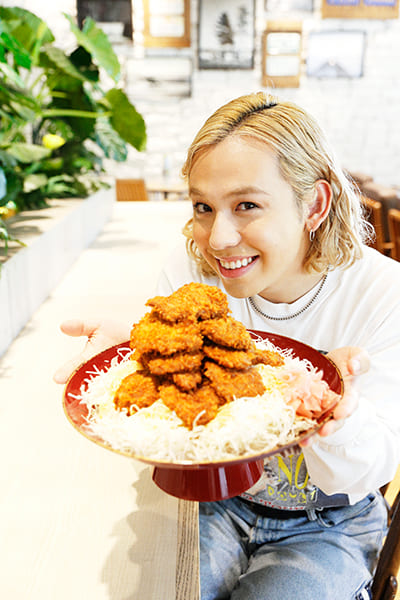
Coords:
273,513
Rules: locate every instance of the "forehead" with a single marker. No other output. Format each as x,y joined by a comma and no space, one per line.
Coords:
237,166
235,154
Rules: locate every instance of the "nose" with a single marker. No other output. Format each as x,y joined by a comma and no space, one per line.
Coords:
224,233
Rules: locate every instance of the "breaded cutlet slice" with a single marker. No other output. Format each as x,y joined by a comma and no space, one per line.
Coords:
192,301
138,389
267,357
172,363
187,381
189,406
152,335
229,357
234,384
227,331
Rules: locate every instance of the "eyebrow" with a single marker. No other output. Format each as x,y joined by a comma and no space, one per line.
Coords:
240,191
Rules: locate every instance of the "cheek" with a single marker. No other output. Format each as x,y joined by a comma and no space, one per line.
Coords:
200,235
260,236
274,238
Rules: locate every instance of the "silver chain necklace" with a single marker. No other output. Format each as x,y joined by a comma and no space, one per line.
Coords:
296,314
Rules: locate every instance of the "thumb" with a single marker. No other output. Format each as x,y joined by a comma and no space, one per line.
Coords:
64,372
350,360
78,328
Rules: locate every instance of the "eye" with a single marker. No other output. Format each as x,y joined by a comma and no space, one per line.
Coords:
246,205
201,208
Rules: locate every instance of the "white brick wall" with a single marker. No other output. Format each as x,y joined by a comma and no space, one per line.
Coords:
360,116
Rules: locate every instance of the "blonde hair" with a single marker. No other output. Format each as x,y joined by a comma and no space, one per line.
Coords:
304,158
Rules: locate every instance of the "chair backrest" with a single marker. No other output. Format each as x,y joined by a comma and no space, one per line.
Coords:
131,190
384,585
394,231
374,214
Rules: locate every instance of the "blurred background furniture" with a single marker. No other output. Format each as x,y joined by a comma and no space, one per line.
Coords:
385,584
389,198
167,188
161,188
374,214
131,190
394,231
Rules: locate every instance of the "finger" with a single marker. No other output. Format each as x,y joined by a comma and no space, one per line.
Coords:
77,327
350,360
64,372
330,427
346,405
359,364
308,441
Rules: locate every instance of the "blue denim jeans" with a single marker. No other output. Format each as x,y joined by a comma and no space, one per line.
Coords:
326,555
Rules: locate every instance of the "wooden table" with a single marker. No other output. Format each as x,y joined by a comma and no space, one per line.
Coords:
167,187
77,521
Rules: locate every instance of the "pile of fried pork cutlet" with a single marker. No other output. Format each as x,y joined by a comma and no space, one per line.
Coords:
193,356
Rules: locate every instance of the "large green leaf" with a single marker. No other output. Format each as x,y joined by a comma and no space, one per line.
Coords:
95,41
126,120
9,94
8,161
11,44
28,153
35,181
10,74
26,27
82,59
55,58
78,111
110,141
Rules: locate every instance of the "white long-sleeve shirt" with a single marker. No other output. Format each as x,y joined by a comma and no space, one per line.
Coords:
358,306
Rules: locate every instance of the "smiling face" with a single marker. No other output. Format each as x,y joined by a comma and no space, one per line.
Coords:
246,222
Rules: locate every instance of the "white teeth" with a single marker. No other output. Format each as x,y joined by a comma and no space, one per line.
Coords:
236,264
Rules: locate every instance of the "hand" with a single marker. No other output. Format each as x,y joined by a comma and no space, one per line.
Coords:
100,335
351,362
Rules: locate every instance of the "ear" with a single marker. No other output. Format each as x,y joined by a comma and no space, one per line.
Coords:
321,205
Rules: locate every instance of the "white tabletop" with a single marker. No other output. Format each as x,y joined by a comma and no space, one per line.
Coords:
77,521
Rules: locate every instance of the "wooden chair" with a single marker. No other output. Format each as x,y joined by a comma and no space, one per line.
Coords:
385,584
394,232
131,190
374,214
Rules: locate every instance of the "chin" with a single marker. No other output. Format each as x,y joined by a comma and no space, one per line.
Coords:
238,290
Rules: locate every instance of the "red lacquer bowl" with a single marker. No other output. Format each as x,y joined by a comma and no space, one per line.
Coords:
202,481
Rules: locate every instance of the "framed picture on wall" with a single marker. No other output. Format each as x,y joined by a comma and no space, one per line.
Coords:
360,9
288,6
281,54
115,13
226,34
166,23
334,54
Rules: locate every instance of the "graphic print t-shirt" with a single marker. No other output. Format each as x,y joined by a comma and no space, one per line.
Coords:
285,484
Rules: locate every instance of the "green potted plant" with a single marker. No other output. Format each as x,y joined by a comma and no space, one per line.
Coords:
61,114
